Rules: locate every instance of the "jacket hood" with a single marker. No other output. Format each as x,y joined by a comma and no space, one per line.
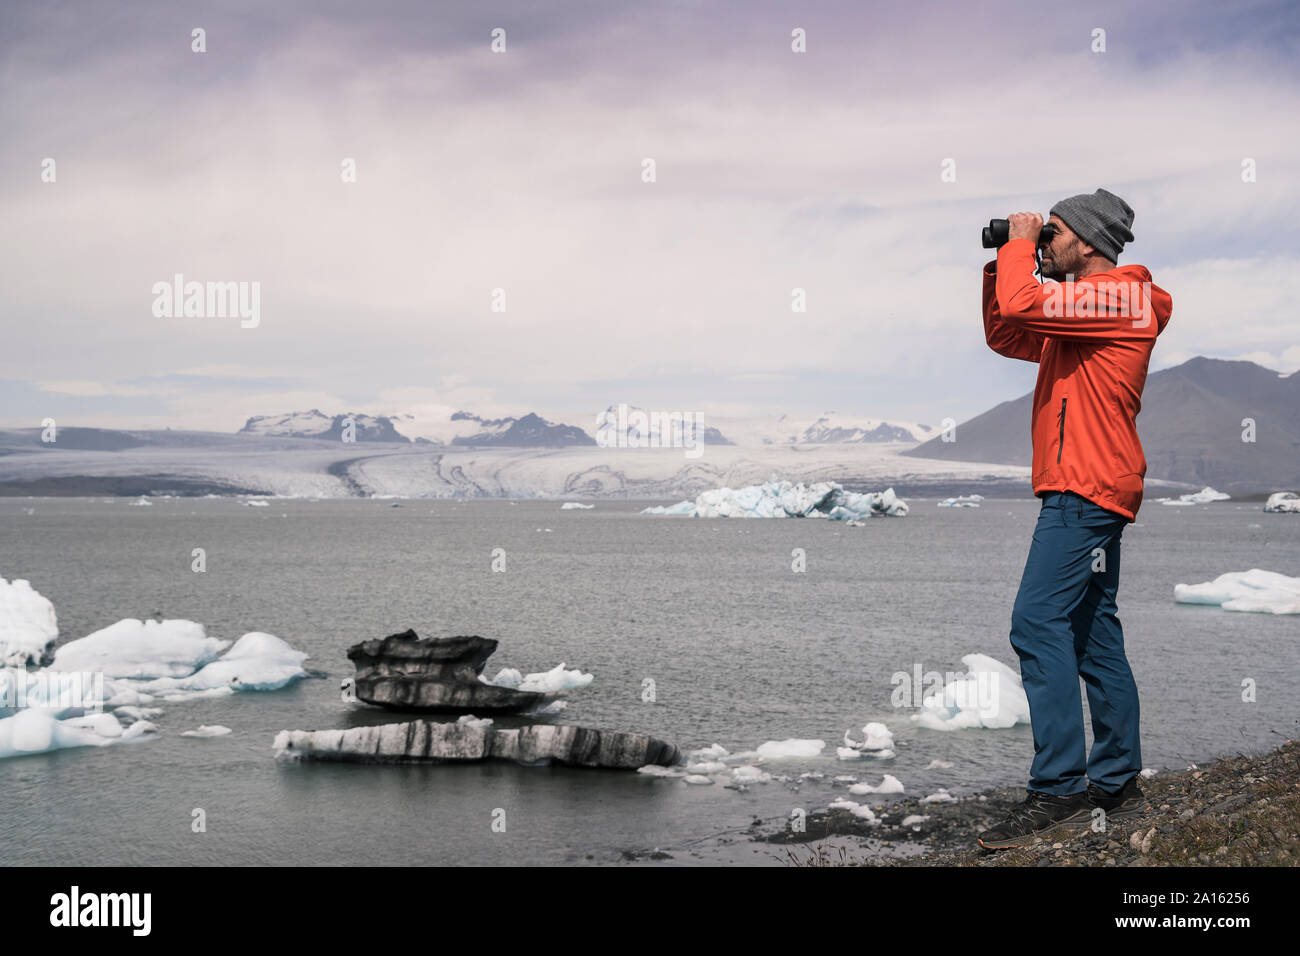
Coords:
1162,303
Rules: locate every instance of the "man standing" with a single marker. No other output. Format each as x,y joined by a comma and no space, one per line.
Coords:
1091,333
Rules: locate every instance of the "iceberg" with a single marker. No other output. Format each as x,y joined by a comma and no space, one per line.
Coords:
257,661
141,649
28,624
1197,497
34,731
962,501
782,499
988,695
1262,592
575,506
1283,502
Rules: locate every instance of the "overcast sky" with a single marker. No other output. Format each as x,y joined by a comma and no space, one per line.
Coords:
522,171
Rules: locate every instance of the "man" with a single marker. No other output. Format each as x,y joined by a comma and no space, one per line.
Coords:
1091,333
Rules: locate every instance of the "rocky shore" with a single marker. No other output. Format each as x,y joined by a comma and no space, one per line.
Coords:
1236,811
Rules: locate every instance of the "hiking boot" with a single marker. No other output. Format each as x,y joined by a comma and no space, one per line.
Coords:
1040,813
1127,801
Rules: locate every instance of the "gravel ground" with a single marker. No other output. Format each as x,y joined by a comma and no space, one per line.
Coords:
1236,811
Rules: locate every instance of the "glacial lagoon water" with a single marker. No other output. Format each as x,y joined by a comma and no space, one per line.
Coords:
741,650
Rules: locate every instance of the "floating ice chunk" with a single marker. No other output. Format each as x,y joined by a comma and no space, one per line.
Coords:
142,502
696,779
654,770
28,624
1149,772
750,774
780,749
543,682
943,796
1197,497
714,752
506,677
890,784
32,731
962,501
472,721
782,499
988,695
1266,592
205,730
141,649
856,809
258,661
575,506
681,508
257,504
1283,502
876,737
848,753
938,765
914,819
139,729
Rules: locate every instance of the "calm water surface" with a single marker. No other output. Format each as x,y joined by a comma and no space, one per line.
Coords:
741,651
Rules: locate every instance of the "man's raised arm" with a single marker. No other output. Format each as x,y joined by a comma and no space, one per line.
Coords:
1003,338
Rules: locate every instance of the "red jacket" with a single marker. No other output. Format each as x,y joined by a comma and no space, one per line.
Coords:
1092,340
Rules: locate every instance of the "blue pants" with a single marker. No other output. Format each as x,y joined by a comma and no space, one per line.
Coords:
1064,626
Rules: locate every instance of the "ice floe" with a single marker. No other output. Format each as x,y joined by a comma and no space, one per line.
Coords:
28,624
1196,498
1265,592
781,749
575,506
141,649
206,730
989,695
782,499
543,682
962,501
34,731
890,784
1283,502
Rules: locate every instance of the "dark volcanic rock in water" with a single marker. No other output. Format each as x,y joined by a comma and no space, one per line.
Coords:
408,672
424,741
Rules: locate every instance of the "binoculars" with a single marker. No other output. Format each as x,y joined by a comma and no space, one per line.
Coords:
998,231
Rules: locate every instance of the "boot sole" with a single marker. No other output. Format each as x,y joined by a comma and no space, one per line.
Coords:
1079,819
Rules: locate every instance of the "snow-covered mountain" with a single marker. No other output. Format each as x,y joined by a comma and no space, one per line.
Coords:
643,427
316,424
829,428
458,428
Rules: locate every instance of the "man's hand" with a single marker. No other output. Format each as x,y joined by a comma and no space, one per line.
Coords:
1025,225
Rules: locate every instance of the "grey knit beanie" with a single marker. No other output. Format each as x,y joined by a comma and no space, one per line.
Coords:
1101,219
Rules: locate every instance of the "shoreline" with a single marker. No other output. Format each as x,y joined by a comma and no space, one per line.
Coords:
1235,811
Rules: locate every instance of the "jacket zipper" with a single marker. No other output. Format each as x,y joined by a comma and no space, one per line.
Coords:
1060,445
